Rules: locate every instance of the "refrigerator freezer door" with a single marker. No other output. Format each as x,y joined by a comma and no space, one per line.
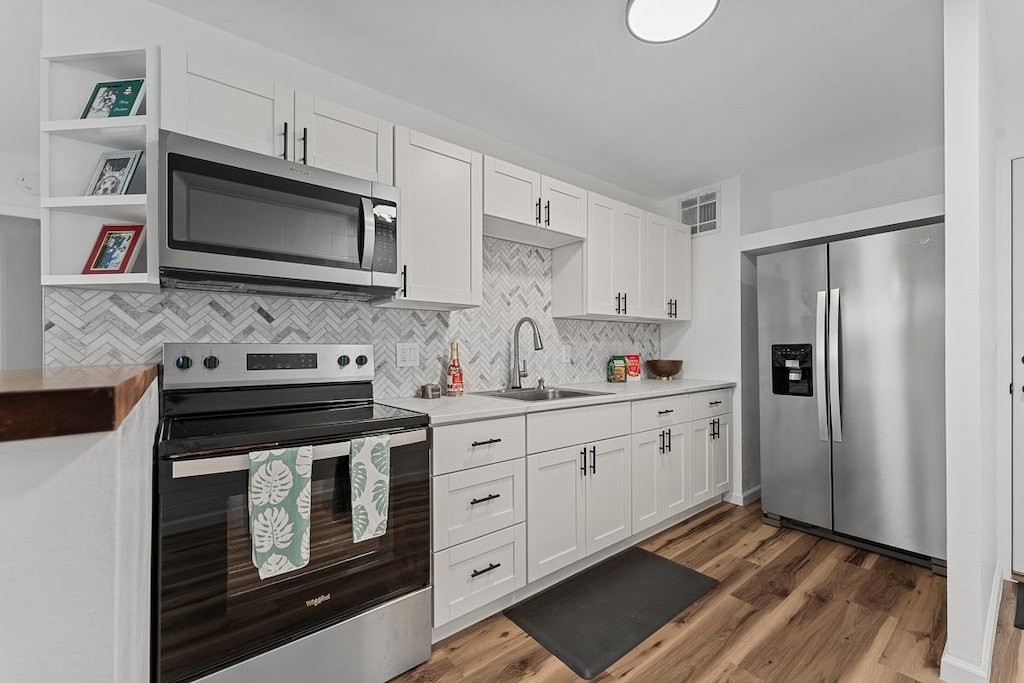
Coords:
795,471
889,473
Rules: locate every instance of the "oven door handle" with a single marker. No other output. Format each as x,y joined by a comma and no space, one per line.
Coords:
369,233
240,462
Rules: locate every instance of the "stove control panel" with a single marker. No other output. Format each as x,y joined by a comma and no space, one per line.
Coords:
190,365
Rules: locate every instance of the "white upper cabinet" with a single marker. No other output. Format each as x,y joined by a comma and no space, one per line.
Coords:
204,98
666,269
600,277
336,138
440,245
524,206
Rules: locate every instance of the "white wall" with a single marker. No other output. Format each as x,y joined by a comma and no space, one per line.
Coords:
101,25
897,180
971,339
711,345
21,300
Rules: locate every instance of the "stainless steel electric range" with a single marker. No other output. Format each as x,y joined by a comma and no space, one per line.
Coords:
357,611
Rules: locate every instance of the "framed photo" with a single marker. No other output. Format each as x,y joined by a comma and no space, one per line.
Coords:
115,249
114,173
115,98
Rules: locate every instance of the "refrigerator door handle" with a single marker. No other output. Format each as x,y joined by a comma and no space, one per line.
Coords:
835,405
819,366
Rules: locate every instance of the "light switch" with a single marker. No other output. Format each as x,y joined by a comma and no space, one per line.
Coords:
566,353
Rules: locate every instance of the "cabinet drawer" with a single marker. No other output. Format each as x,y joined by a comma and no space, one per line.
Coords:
475,573
459,447
660,412
710,403
476,502
560,428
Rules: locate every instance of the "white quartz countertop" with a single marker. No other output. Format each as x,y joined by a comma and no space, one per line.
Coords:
450,410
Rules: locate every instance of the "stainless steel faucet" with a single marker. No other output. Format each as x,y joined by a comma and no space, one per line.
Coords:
519,373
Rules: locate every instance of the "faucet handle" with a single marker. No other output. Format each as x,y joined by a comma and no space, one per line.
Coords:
540,383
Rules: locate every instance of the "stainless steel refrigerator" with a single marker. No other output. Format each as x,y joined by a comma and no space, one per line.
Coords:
851,362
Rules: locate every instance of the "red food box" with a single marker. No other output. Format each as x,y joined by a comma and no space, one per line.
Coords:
633,368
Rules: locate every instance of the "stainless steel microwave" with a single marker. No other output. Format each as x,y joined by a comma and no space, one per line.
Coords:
236,220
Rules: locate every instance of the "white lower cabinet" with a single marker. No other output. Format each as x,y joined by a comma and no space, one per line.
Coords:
659,476
579,499
475,502
472,574
710,459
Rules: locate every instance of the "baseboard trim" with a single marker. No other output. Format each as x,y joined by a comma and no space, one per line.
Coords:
956,670
746,498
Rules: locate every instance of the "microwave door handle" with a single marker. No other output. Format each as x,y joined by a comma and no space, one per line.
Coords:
369,233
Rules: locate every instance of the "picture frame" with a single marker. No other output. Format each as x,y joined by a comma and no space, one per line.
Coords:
115,98
115,251
114,173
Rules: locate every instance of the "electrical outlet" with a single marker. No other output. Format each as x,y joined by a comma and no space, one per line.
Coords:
566,353
407,354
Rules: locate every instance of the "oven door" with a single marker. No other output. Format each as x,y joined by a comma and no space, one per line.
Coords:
211,607
232,211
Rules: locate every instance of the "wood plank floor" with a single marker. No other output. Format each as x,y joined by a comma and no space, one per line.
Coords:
789,607
1008,651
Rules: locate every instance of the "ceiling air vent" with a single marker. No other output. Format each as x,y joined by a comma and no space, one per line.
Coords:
700,212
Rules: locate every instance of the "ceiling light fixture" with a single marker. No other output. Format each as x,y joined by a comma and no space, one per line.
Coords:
662,21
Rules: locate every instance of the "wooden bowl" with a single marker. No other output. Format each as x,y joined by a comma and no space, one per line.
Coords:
664,369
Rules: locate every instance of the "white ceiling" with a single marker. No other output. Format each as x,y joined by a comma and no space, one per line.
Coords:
19,77
782,91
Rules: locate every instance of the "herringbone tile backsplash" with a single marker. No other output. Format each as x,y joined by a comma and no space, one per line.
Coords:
95,327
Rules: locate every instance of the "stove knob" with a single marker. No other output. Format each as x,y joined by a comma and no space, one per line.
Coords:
361,360
183,362
343,361
211,362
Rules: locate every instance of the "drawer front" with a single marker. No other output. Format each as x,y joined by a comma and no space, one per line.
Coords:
560,428
476,502
710,403
473,574
660,412
459,447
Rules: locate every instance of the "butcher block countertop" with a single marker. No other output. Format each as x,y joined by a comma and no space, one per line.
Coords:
47,402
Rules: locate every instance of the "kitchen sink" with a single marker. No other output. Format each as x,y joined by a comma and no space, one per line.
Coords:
552,394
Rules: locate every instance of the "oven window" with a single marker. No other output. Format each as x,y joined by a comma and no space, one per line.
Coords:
225,210
214,609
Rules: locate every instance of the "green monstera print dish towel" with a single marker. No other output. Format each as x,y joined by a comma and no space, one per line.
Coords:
279,499
370,466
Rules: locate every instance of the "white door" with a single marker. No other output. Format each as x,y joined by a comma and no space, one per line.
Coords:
698,461
336,138
608,488
673,479
645,473
555,510
678,270
721,455
511,192
656,259
441,219
207,100
601,260
629,229
563,207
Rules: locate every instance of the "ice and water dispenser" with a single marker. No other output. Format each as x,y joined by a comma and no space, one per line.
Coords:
791,370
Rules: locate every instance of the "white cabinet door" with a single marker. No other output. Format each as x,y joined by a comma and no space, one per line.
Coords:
441,245
673,479
656,263
207,100
564,207
721,455
699,461
336,138
511,192
608,489
600,255
628,238
555,510
678,266
645,474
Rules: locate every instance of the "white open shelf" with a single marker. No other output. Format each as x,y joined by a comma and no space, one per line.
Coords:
71,148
